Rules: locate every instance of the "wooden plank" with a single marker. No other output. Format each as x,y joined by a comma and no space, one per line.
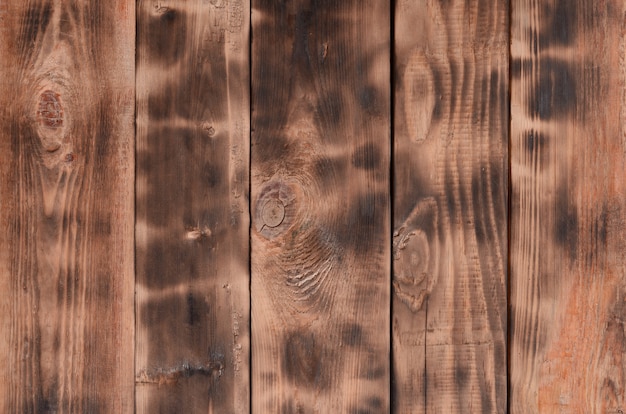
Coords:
192,229
320,206
449,319
568,246
66,206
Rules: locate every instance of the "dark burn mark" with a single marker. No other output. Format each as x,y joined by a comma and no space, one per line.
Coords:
301,53
50,110
165,36
480,194
352,334
555,93
270,149
601,225
365,219
375,403
437,83
303,361
193,314
566,223
485,399
534,141
211,174
367,157
560,23
368,99
170,262
329,109
329,171
291,407
461,376
449,185
180,323
35,21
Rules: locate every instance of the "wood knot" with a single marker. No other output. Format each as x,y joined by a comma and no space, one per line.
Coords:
275,209
415,255
50,110
273,213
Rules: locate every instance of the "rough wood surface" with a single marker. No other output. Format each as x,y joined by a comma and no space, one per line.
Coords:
320,206
192,230
568,246
66,206
449,319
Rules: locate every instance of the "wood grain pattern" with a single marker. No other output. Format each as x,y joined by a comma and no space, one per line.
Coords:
66,206
568,247
192,230
320,206
449,319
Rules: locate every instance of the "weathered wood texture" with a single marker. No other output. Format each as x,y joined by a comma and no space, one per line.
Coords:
66,206
192,231
320,206
568,247
449,319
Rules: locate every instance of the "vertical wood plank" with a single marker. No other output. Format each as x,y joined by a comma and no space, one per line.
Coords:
320,206
449,319
66,206
192,230
568,246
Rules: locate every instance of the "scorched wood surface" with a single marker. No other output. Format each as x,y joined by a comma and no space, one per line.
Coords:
337,206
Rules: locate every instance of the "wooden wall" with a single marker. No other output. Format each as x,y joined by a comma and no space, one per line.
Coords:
313,206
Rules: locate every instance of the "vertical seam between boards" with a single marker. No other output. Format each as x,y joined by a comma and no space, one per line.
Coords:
508,211
250,207
134,244
392,56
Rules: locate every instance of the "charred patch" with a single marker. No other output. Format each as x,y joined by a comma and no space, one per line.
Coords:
601,226
480,195
566,223
375,367
291,407
554,95
438,86
520,66
352,334
329,171
169,320
534,141
369,100
449,186
193,315
165,35
170,262
211,175
365,219
367,157
375,403
271,149
329,109
485,400
34,22
461,376
160,105
303,361
560,27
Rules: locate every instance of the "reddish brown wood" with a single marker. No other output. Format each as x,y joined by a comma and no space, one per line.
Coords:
66,206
